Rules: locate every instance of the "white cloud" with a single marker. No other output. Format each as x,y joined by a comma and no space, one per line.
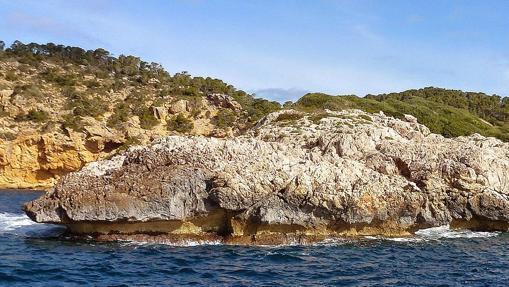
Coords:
279,94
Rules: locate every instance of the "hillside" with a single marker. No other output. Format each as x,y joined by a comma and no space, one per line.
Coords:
61,107
447,112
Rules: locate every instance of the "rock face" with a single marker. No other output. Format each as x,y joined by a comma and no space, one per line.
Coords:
224,101
38,161
294,177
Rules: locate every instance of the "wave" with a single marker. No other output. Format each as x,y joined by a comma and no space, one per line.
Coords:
438,233
20,224
447,232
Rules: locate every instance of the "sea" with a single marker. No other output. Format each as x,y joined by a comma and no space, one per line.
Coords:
34,254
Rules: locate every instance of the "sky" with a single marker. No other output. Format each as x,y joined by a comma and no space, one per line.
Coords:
283,49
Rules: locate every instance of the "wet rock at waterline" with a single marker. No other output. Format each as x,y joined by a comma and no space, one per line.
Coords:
293,177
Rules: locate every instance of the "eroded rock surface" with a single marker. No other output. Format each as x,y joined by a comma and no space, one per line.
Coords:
300,177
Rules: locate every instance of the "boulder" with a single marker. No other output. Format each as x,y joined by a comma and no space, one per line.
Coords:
160,113
224,101
179,106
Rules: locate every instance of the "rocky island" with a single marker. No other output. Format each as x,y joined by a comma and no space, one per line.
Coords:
294,177
130,151
283,143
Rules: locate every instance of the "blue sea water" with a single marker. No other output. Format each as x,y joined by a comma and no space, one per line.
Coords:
31,255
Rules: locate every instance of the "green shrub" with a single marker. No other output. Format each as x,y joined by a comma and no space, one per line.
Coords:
491,108
30,59
136,99
8,136
180,124
3,112
312,102
440,118
72,122
50,127
316,117
101,74
36,116
92,84
366,118
131,141
120,115
147,118
11,76
190,92
225,118
288,104
260,108
82,105
66,80
30,91
195,105
288,117
158,102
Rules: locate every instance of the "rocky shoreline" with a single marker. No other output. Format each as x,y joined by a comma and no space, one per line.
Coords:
294,177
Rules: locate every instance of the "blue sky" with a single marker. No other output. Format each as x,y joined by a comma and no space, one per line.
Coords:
281,49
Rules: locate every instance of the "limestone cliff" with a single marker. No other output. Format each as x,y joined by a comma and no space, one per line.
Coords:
293,177
62,107
38,161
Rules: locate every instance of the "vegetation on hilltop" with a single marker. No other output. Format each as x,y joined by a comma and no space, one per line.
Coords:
447,112
87,79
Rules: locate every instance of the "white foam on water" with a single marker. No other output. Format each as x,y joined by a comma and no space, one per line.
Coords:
20,224
404,239
447,232
437,233
396,239
185,243
333,241
10,222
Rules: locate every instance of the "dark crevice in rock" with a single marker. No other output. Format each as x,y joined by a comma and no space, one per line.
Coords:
110,146
480,223
62,214
405,171
403,168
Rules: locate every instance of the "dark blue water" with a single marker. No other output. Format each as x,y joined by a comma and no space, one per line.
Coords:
29,256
